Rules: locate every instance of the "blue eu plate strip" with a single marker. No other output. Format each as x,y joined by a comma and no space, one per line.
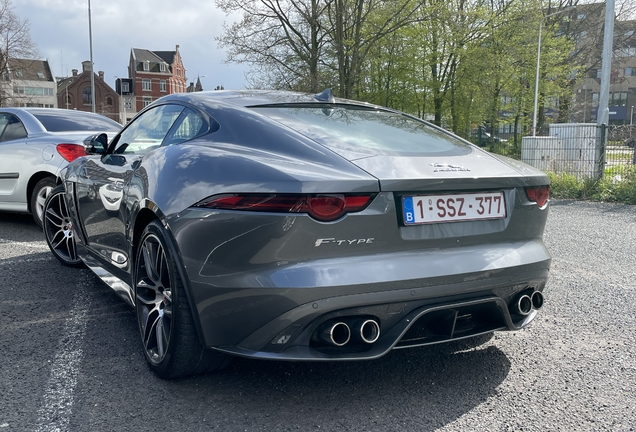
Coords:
407,207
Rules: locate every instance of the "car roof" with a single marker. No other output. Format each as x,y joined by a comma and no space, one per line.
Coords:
248,98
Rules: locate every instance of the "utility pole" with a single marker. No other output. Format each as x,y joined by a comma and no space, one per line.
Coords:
602,117
90,41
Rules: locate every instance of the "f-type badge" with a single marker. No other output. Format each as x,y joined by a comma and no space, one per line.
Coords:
442,167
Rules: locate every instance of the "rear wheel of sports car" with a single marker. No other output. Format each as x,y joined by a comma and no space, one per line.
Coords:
38,198
58,228
169,338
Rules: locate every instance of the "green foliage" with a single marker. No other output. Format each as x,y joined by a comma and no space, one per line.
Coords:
610,189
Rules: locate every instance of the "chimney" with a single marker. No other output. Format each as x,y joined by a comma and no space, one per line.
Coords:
74,72
101,75
86,66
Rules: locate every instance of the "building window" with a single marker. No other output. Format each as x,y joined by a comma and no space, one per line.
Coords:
162,85
630,71
162,67
147,100
146,65
127,103
580,16
86,96
40,75
68,101
618,99
33,91
125,88
629,33
598,73
145,84
109,101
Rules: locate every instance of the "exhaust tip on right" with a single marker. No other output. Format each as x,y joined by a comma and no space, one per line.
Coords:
537,300
369,331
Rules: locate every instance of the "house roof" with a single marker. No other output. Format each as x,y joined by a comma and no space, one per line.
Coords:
167,56
32,70
142,55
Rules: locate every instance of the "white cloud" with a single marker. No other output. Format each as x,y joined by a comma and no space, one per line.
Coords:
60,30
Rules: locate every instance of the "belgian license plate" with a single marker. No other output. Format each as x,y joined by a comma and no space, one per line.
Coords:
422,209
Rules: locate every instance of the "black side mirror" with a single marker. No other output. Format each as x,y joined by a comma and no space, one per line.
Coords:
96,144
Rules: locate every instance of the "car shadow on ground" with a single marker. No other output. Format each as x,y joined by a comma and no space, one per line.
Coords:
427,387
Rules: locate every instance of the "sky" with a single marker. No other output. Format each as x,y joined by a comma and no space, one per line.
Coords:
59,28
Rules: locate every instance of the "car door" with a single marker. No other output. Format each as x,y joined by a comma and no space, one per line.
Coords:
16,160
102,187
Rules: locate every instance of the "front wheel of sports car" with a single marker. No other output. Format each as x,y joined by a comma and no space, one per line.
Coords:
168,335
58,228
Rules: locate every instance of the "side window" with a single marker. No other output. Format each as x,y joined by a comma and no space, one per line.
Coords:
189,126
12,129
148,131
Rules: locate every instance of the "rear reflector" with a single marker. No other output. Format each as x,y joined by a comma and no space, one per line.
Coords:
70,152
322,207
538,194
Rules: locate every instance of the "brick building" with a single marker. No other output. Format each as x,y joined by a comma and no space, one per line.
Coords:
155,74
74,92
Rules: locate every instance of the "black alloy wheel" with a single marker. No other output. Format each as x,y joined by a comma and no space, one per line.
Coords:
170,342
59,230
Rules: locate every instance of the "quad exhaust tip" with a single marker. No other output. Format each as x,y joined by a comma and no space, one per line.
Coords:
369,331
526,302
340,333
537,300
337,334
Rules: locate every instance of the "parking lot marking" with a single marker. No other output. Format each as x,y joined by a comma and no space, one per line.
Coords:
55,413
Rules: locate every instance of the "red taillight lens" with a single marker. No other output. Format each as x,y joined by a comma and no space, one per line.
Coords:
326,207
538,194
70,152
323,207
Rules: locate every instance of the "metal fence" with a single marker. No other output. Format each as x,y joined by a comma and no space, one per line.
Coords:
583,150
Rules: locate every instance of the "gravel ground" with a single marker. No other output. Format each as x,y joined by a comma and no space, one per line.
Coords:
71,361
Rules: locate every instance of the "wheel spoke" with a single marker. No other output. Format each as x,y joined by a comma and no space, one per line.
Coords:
41,200
54,218
159,334
60,242
149,263
150,332
70,245
146,299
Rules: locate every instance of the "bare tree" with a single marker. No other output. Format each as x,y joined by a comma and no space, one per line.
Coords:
15,43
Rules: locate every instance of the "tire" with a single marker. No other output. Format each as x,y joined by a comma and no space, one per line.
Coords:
168,335
38,198
58,229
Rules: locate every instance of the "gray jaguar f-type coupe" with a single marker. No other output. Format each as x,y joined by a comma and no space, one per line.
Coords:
286,226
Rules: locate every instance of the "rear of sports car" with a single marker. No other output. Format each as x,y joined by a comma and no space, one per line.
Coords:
443,242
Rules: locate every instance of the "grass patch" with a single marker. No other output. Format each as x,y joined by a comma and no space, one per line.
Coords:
608,189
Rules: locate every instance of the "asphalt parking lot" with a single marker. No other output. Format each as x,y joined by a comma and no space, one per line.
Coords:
71,359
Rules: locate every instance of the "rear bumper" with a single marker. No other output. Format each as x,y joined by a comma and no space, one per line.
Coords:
253,322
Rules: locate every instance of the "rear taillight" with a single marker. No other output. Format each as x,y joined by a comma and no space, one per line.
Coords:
538,194
323,207
70,152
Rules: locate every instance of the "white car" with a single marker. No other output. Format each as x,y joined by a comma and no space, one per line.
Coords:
35,144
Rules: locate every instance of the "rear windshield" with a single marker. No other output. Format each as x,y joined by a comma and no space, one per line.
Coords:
367,131
71,120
